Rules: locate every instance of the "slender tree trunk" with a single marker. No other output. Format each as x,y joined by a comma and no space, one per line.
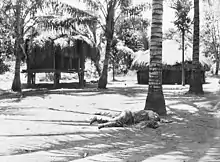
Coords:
196,80
113,70
104,76
109,36
98,69
97,66
97,59
16,85
183,60
155,99
217,64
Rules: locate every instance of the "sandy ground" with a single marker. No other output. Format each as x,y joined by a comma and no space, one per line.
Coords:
53,125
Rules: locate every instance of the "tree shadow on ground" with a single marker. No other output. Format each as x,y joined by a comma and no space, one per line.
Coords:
90,90
129,91
189,137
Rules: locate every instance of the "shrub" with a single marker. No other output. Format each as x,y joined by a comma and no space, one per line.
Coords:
3,67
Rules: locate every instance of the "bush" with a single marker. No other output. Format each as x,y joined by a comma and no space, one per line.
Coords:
3,67
49,77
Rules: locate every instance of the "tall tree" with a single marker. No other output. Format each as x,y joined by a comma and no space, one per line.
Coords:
155,99
109,32
211,34
196,81
16,85
211,37
110,10
182,22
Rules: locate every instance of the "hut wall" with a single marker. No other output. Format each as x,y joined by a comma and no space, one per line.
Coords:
169,76
65,58
41,58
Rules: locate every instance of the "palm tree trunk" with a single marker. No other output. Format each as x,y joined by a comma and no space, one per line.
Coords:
109,36
104,76
98,68
113,70
217,64
183,61
217,59
196,80
16,85
155,99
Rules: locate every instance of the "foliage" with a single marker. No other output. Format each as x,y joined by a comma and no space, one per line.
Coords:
211,35
182,9
23,16
109,12
133,30
121,56
3,67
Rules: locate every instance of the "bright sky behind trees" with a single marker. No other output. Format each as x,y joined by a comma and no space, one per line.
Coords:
168,12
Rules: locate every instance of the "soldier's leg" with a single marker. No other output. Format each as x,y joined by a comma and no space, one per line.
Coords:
110,124
100,119
106,117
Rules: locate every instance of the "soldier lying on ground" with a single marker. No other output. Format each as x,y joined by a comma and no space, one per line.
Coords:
127,117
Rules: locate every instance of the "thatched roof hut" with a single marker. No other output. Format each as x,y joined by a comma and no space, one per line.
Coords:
43,47
172,61
171,57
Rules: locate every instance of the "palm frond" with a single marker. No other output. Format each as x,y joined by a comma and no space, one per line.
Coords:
62,8
56,22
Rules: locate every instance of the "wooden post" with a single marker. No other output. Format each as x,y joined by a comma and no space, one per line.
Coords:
62,61
82,65
33,78
29,75
55,76
71,62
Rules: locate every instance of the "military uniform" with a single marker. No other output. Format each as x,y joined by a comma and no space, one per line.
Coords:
127,117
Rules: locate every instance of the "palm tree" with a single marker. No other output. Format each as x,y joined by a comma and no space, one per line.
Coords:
182,22
196,81
109,32
16,85
108,10
155,99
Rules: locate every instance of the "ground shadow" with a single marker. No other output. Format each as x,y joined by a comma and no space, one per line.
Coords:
187,133
90,90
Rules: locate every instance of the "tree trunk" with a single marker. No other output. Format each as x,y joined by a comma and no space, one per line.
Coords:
97,66
56,79
113,70
104,76
16,85
96,59
217,64
82,64
183,60
155,99
109,31
196,80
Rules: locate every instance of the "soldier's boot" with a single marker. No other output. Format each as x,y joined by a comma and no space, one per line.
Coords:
98,120
94,119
